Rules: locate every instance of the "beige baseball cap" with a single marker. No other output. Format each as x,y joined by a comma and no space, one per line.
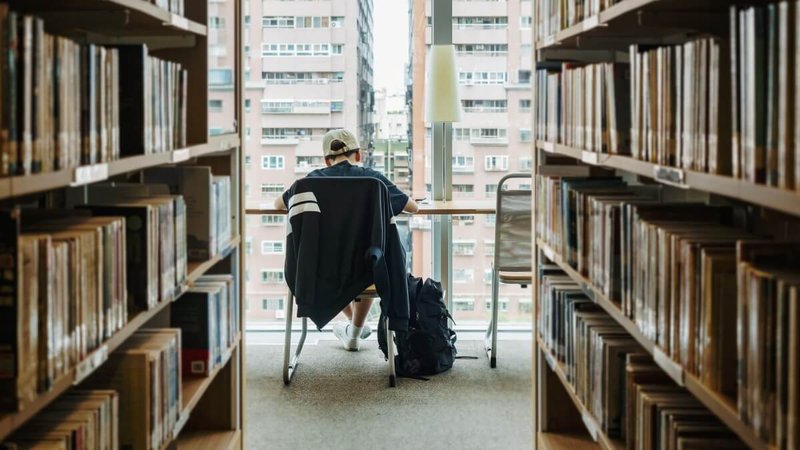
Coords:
347,138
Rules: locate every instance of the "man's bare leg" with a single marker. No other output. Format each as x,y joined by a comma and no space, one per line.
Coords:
360,311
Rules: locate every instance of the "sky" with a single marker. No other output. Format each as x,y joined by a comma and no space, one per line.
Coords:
390,29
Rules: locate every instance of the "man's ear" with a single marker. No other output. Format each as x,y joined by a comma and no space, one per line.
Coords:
358,156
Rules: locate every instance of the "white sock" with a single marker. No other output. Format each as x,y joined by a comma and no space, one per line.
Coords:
353,332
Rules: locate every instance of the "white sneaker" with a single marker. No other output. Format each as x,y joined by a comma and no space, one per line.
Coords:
365,331
340,330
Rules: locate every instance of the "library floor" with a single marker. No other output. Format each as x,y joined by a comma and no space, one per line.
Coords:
341,400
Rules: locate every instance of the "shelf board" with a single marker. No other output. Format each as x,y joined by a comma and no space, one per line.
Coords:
196,269
639,21
11,421
563,441
120,17
589,420
767,196
209,440
31,184
724,409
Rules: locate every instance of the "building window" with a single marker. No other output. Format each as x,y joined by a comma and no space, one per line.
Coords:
489,219
525,21
487,276
488,247
337,106
271,189
309,162
216,22
482,49
463,163
483,23
247,133
469,78
464,188
463,304
272,162
247,105
272,276
494,163
460,134
220,77
272,304
277,22
463,248
272,220
525,163
247,189
337,49
215,105
491,190
463,275
271,247
484,105
463,220
248,245
524,135
524,76
502,304
337,22
247,161
525,306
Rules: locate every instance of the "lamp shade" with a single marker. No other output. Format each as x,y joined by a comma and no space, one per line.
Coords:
441,86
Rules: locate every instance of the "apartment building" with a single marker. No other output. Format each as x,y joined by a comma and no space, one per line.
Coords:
492,39
308,69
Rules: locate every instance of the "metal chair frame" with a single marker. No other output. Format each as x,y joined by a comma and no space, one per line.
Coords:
490,341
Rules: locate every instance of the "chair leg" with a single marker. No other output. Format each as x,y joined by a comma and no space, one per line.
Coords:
290,367
491,332
390,354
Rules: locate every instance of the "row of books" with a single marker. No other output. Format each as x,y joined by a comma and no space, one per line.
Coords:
47,265
78,420
146,372
556,15
208,316
673,268
584,106
67,104
625,392
765,80
768,338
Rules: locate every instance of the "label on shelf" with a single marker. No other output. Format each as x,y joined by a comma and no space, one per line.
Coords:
88,365
548,147
673,369
181,155
670,175
590,157
89,174
549,40
591,22
591,425
179,21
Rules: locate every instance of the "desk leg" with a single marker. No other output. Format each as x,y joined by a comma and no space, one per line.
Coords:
390,354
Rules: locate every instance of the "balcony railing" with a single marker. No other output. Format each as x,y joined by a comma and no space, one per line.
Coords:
488,140
485,109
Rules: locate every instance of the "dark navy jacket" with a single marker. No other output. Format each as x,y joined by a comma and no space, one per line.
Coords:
342,238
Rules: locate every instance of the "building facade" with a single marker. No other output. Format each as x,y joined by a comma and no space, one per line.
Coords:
492,39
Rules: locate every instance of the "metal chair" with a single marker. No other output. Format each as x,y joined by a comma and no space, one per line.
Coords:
513,250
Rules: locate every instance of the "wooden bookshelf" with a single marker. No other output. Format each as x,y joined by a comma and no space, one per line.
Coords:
758,194
11,421
210,440
597,435
722,407
561,441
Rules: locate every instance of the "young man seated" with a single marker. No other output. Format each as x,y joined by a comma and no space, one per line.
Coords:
342,153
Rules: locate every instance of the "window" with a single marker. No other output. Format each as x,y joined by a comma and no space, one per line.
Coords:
485,23
495,162
248,245
487,276
463,304
337,49
482,49
272,304
216,22
502,304
488,247
463,220
271,247
247,161
524,76
463,163
247,105
272,220
484,105
489,219
524,105
525,306
337,22
215,105
525,163
463,275
311,21
271,189
460,134
220,77
337,106
272,162
464,188
247,189
247,133
463,248
277,22
524,135
285,133
489,135
491,190
469,78
525,21
309,162
272,276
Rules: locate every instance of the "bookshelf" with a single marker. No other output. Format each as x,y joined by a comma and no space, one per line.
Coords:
605,37
210,415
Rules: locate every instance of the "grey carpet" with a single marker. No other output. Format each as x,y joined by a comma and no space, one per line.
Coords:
341,400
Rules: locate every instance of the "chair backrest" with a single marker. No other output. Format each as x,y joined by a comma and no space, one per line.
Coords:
513,234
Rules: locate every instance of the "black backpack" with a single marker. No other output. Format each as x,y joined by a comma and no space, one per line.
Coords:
429,345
